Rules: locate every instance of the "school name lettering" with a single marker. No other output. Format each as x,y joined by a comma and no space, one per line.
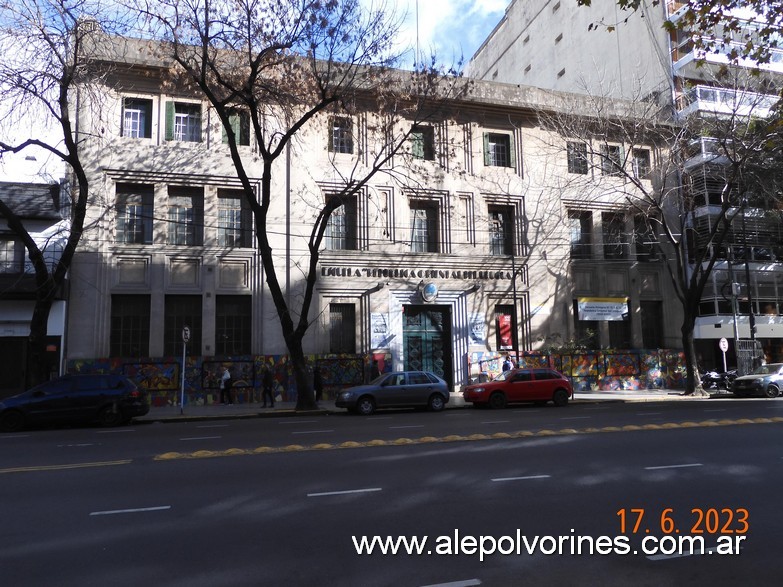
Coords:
373,272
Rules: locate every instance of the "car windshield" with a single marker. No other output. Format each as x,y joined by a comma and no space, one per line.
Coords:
771,369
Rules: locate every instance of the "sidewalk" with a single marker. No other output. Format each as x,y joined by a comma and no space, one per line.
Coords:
255,410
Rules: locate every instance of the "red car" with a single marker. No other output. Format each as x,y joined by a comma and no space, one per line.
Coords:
521,385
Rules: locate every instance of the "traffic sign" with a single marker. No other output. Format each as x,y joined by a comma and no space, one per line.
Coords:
186,334
723,344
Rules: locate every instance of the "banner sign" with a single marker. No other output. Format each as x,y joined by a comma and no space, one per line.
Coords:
602,308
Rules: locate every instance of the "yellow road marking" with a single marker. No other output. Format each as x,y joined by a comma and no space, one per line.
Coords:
170,456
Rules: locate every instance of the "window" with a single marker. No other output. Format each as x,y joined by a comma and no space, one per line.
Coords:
501,230
233,325
498,150
11,256
580,228
341,226
651,313
341,128
585,331
240,126
614,236
424,227
505,327
130,326
185,216
183,122
134,213
619,334
577,158
342,328
423,142
234,219
641,163
611,160
644,239
181,311
137,118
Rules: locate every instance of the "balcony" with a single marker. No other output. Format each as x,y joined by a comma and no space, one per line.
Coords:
686,57
729,101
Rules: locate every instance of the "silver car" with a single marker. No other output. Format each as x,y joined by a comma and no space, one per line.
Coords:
765,380
401,389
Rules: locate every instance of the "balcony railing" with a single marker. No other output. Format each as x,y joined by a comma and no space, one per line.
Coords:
686,53
725,101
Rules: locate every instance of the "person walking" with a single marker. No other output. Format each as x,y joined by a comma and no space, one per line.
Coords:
226,383
268,382
507,364
318,385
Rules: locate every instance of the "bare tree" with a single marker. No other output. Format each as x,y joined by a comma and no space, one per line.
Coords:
288,65
43,44
606,139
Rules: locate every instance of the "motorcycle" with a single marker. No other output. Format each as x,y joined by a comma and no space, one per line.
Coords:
718,381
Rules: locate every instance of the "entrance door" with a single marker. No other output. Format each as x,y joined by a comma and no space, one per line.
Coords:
427,338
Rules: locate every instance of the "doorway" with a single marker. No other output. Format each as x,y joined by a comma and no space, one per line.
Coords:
427,340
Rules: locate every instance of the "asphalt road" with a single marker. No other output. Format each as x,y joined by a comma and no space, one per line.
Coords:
180,504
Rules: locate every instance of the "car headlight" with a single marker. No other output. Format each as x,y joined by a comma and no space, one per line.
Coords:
346,395
479,389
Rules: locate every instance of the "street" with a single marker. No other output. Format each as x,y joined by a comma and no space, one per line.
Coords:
286,501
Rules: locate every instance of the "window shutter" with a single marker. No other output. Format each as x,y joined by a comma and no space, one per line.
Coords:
512,157
122,117
169,121
487,160
330,137
235,120
417,146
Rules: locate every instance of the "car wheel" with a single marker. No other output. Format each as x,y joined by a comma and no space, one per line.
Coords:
560,398
11,421
497,401
436,403
772,391
110,416
365,406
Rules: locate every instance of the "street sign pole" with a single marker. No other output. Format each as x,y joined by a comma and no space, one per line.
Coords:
723,344
185,339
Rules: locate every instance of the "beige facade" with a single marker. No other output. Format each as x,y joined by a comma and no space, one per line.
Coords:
473,222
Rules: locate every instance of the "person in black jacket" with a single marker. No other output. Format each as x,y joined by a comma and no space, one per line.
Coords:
268,383
318,385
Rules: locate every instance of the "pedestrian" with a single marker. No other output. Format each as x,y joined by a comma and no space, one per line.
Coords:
318,385
507,364
268,382
226,383
376,371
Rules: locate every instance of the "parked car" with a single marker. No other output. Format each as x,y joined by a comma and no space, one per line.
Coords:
521,385
401,389
109,400
766,380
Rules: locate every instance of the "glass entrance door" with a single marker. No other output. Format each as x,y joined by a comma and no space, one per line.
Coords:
427,340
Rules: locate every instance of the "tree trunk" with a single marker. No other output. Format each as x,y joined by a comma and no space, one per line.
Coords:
36,365
305,396
692,380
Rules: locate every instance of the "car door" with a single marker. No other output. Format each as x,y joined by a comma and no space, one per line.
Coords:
391,391
418,389
51,401
520,386
90,393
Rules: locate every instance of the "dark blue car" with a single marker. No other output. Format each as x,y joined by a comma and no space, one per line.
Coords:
109,400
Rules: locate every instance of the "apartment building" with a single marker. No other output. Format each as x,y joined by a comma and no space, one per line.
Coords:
602,51
461,249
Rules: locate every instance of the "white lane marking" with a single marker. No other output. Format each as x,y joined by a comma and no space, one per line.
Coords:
202,438
649,413
311,431
497,422
673,466
577,418
659,557
720,410
344,492
131,511
214,426
498,479
401,427
115,431
596,409
77,445
297,422
466,583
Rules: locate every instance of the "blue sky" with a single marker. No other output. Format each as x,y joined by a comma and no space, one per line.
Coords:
450,28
